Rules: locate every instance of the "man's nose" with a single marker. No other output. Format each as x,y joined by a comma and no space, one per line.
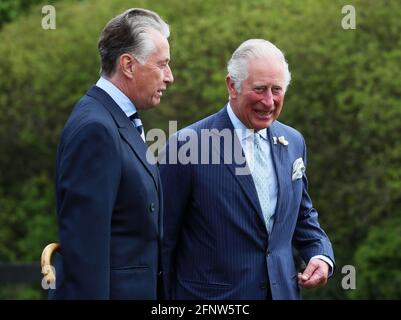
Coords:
268,98
168,75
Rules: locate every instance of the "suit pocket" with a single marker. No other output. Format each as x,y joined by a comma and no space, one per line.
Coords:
194,289
296,183
208,284
131,268
297,187
133,282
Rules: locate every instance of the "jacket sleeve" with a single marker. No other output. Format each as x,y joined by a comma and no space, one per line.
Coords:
309,238
176,181
86,185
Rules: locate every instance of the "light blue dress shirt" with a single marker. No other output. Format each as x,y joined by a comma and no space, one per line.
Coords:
119,97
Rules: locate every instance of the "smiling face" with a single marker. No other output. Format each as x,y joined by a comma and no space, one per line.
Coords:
152,78
261,98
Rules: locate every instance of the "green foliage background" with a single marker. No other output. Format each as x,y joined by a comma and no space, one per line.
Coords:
344,97
11,9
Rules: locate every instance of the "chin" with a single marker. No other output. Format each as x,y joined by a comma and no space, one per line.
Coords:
260,126
152,104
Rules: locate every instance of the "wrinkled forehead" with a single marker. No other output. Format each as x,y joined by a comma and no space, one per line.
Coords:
267,68
157,38
161,45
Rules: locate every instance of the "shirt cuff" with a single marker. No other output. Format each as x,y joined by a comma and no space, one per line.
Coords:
327,260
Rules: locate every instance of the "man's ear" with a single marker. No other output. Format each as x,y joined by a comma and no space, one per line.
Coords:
232,92
127,65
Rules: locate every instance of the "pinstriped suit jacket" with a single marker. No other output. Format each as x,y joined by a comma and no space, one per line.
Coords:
216,245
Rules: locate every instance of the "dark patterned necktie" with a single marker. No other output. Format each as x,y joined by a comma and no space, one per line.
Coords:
138,124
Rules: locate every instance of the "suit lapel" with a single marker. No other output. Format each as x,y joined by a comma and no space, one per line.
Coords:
245,180
280,162
126,129
132,137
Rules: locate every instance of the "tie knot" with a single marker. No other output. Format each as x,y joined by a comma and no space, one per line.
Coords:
134,116
137,122
257,139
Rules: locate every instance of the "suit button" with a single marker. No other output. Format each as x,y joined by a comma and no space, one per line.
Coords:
160,273
267,253
152,207
263,285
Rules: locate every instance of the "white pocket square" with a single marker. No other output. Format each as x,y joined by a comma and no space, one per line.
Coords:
298,169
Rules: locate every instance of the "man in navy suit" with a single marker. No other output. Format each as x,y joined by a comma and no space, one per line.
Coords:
234,211
109,197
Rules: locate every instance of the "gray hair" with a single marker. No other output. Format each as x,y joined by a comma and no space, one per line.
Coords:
129,32
237,67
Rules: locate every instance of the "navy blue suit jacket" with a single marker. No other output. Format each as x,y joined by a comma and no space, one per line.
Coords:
109,206
216,245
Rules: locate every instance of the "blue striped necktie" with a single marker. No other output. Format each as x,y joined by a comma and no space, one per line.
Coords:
137,124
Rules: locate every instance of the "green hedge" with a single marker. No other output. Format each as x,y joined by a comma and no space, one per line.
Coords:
344,97
378,262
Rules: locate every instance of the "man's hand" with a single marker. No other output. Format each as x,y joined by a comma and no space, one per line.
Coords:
315,275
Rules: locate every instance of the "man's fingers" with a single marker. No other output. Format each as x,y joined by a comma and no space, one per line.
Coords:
302,277
316,280
309,271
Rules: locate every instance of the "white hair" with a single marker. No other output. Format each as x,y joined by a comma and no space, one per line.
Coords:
237,67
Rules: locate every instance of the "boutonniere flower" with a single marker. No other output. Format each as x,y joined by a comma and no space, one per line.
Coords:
274,140
282,140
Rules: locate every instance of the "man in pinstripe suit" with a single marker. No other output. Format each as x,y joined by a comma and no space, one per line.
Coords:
228,234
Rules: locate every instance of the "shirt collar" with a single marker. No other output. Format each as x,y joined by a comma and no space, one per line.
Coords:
117,95
237,124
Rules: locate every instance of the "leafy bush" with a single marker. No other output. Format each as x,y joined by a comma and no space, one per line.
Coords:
378,262
27,221
11,9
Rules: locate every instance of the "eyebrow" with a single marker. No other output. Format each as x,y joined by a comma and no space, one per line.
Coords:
265,86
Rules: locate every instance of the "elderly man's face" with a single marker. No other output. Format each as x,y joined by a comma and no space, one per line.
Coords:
262,94
153,77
